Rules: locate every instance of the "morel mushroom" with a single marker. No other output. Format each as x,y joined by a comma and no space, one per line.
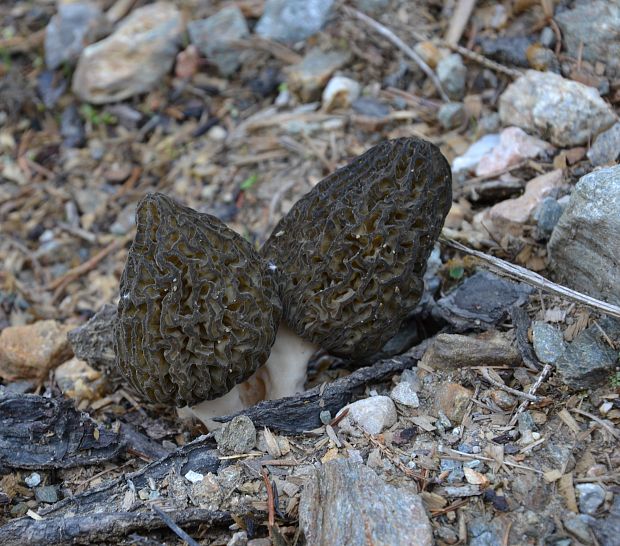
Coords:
351,254
198,310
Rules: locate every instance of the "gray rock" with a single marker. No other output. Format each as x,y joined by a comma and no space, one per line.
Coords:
526,422
133,59
455,469
46,493
308,77
566,112
588,359
404,394
451,115
452,74
547,216
72,128
293,20
73,27
577,525
347,504
489,123
585,246
367,106
548,342
591,497
606,147
607,529
591,31
411,376
484,533
237,436
373,415
507,49
240,538
213,37
547,37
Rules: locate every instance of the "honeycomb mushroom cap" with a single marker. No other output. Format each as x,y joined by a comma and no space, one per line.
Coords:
351,254
198,310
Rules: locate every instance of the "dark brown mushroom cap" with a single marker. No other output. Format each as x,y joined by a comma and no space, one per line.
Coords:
198,309
351,254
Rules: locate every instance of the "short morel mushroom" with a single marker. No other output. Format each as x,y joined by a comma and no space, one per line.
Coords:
198,309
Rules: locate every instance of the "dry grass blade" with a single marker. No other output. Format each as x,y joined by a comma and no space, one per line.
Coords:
461,15
534,279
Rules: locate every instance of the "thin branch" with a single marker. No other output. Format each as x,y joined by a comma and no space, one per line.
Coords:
543,374
500,385
534,279
389,35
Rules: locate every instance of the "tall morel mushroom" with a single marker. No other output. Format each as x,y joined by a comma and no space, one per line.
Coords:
351,254
198,310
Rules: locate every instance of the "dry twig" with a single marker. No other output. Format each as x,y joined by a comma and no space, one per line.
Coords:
514,392
543,374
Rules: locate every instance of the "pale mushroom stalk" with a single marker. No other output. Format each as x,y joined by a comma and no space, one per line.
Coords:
284,374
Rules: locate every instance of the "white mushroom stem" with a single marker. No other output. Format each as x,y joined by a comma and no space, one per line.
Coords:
284,374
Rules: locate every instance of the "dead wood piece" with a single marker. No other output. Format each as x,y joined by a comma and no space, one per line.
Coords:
296,414
37,432
199,456
105,528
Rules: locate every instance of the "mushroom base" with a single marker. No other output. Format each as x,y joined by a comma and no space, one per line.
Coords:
284,374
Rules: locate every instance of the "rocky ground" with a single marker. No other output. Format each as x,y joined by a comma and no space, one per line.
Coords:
492,417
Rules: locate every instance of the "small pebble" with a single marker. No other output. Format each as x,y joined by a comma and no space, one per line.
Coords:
47,494
194,477
591,497
33,480
325,417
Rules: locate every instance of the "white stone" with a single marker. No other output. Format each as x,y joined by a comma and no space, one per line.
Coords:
373,415
340,92
194,477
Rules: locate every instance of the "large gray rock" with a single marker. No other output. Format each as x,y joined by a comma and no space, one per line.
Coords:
584,248
73,27
347,504
566,112
214,36
133,59
591,31
293,20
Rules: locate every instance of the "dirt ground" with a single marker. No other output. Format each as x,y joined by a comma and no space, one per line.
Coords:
222,145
